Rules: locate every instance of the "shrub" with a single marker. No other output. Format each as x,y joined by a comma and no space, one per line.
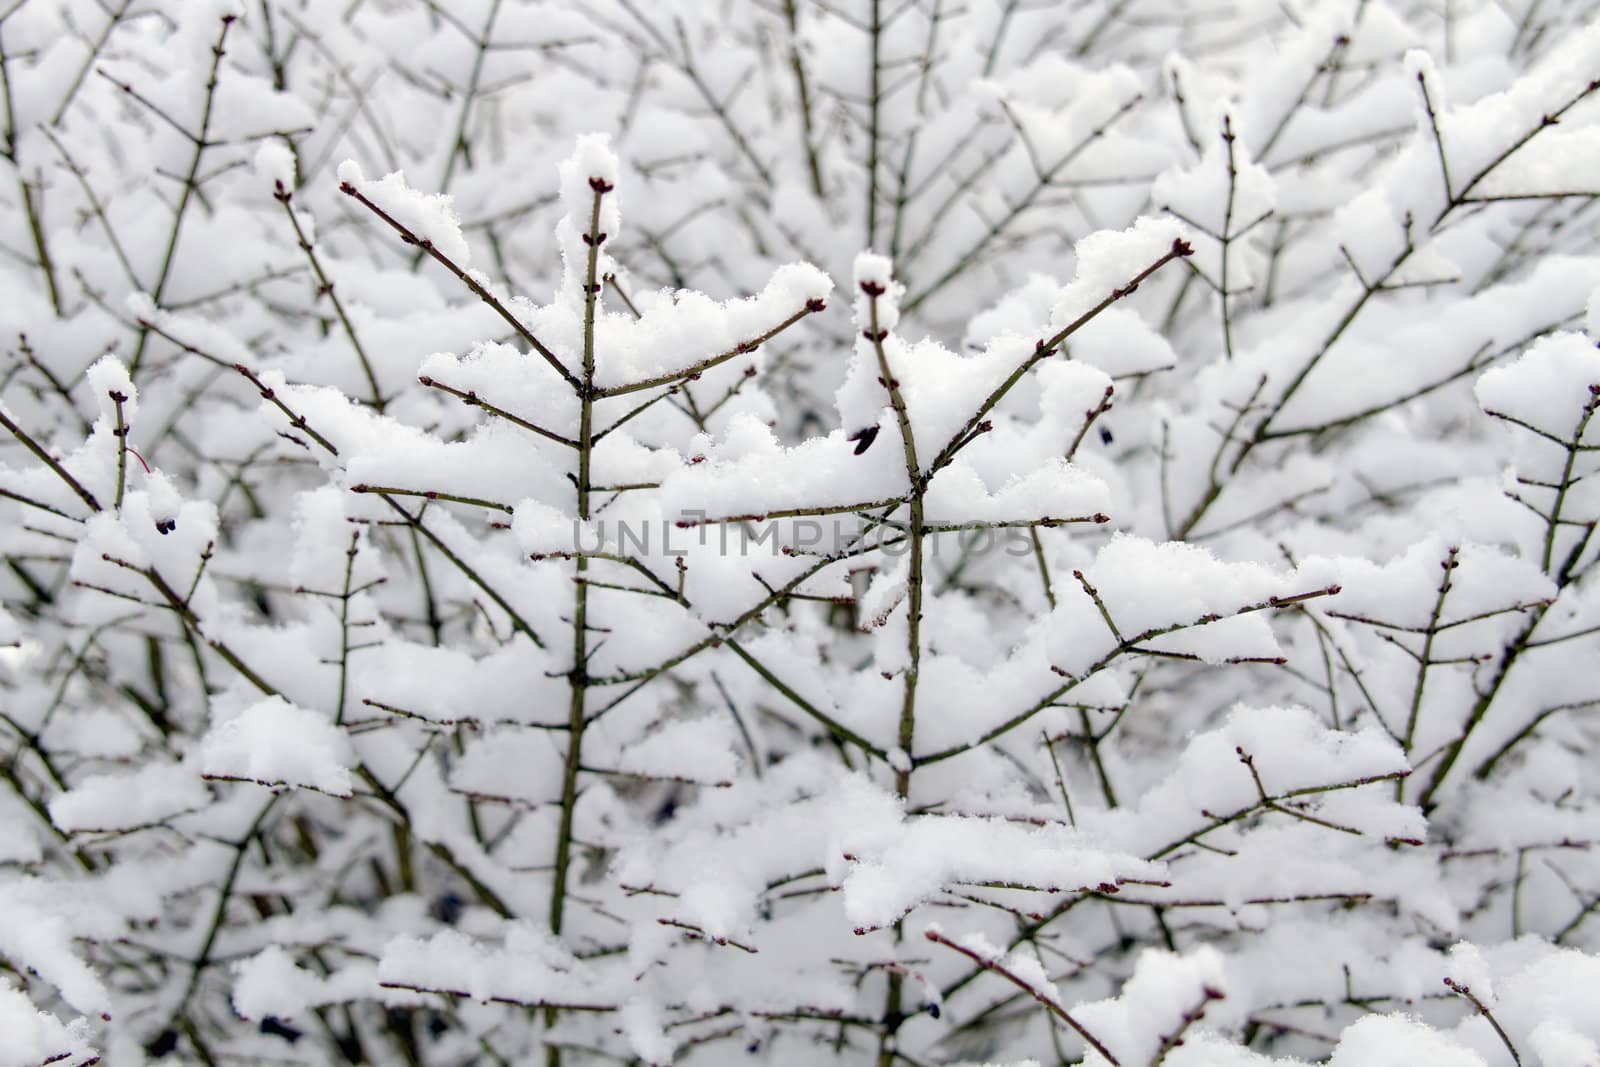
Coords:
1189,662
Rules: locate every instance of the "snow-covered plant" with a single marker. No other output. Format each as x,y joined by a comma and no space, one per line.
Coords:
1004,532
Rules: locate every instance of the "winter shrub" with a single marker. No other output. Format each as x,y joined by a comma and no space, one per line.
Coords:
1004,532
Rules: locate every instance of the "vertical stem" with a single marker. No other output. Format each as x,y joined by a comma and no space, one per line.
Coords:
41,249
894,1013
1425,660
908,153
1092,743
219,912
1566,482
191,185
1227,236
459,149
344,629
917,487
791,15
30,208
999,37
121,433
908,706
430,606
873,117
579,677
1044,569
325,288
893,1016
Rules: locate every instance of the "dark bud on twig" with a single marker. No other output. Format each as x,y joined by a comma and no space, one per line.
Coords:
162,1044
273,1026
864,438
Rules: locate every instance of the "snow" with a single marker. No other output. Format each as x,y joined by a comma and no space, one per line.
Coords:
749,472
507,763
641,1024
529,968
678,330
1164,988
449,685
702,749
1218,205
38,938
107,376
276,164
1469,968
877,292
592,161
1121,344
1476,133
1547,386
805,814
110,803
34,1037
1291,753
322,545
1055,490
264,985
275,744
1559,1045
19,844
1399,1041
1148,587
1108,261
213,338
429,216
1405,590
1141,711
270,984
504,374
893,872
1541,994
